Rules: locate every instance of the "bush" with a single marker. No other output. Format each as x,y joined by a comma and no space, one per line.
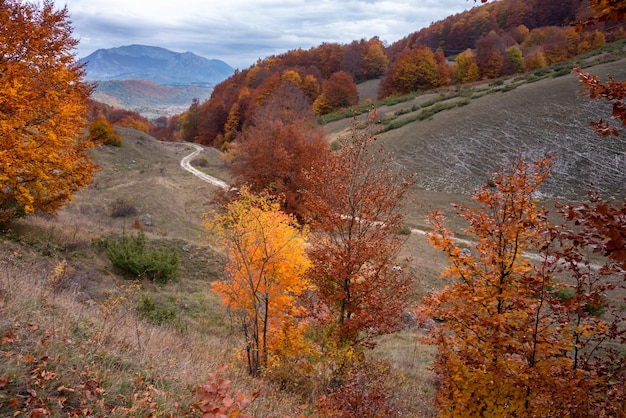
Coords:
200,162
364,393
130,255
405,230
101,131
542,71
122,208
156,313
561,72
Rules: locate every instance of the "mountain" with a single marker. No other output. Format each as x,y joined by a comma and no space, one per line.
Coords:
159,65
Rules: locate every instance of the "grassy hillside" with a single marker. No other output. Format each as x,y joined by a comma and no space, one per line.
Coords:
75,332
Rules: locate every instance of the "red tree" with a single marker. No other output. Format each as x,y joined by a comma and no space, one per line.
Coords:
283,142
354,201
338,92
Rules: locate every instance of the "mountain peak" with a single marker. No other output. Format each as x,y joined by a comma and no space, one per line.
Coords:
160,65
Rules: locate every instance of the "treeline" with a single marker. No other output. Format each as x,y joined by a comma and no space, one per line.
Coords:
322,77
489,41
103,116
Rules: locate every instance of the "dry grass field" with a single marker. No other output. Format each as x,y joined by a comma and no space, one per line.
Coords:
86,318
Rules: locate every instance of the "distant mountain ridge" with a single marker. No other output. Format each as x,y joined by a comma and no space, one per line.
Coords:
159,65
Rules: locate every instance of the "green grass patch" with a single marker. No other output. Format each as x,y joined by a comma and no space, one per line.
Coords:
425,114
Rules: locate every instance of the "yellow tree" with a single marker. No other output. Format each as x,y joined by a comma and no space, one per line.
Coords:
43,103
265,274
494,332
374,60
465,69
415,69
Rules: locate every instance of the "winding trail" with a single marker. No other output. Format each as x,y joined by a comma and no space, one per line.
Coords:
185,163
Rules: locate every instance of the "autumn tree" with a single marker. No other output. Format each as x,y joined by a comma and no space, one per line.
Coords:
338,92
189,122
514,337
265,274
373,60
102,132
535,59
514,61
490,55
43,104
606,11
355,200
415,69
465,69
275,151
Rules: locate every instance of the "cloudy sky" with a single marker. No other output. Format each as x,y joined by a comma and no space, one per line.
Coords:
241,31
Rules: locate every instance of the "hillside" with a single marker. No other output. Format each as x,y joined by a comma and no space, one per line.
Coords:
454,150
110,327
87,319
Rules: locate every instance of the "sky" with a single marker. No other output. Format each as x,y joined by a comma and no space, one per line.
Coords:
239,32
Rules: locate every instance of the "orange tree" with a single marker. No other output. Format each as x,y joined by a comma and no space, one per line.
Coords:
354,200
522,336
43,104
265,275
338,92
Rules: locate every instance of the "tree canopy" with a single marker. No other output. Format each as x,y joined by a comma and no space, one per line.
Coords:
43,104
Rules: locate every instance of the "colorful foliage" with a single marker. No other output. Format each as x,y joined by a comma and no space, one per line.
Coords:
43,102
465,69
273,154
265,273
354,200
102,132
513,337
416,69
338,92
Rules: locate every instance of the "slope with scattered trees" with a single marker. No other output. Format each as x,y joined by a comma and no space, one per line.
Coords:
528,321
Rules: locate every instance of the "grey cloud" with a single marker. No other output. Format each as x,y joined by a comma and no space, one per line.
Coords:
241,35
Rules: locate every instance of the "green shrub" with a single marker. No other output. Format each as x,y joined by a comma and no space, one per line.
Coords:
131,255
425,114
200,162
508,87
542,71
404,230
561,72
157,313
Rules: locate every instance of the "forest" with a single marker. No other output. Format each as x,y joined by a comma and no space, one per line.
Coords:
528,319
489,41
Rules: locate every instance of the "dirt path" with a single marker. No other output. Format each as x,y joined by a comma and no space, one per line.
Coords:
185,163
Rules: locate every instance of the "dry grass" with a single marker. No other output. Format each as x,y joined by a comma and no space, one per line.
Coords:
86,318
51,331
410,363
